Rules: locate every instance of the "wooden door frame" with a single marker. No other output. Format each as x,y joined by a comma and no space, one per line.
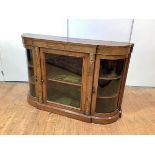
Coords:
95,82
84,56
33,50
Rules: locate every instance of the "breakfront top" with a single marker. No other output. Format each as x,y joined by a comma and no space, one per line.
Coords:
46,40
74,40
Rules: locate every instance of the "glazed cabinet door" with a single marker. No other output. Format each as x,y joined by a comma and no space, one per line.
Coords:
31,71
34,73
64,79
107,84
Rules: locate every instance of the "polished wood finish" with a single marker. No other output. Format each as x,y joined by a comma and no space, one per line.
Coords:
19,118
91,52
60,110
83,88
29,38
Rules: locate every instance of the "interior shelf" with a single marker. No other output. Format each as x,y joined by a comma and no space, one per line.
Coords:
108,88
57,74
104,97
64,82
67,95
106,105
109,77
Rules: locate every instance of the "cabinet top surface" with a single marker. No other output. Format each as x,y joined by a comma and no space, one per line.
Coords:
74,40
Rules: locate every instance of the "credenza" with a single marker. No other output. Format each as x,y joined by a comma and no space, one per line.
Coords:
78,78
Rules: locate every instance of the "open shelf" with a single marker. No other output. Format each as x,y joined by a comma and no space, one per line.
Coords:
57,74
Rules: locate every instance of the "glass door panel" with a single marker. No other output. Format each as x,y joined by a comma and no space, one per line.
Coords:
31,72
64,79
108,85
105,105
29,57
64,94
111,68
32,89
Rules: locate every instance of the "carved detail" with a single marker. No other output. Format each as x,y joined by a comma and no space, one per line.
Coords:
92,58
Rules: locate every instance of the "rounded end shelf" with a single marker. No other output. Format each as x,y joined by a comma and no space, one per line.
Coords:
109,77
107,119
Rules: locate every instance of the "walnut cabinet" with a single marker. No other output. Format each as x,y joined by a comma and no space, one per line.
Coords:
77,78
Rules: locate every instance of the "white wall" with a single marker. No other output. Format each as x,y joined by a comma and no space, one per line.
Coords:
109,30
12,53
142,66
11,47
17,17
141,69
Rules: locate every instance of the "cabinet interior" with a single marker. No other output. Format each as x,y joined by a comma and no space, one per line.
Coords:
110,72
64,79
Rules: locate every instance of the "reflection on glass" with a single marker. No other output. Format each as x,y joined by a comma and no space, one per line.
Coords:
64,77
105,105
64,94
32,89
108,85
31,72
111,68
29,56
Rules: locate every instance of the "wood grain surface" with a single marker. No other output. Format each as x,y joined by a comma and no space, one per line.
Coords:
20,118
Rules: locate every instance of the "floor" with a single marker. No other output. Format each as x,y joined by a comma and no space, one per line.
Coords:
18,117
